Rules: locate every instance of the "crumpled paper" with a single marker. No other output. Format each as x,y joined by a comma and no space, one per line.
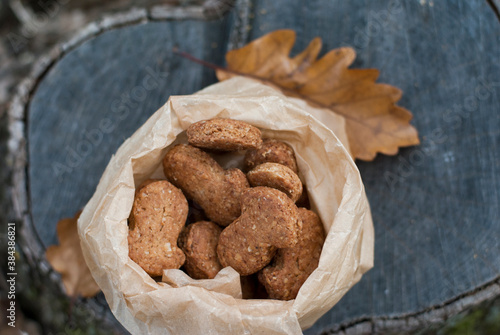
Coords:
181,305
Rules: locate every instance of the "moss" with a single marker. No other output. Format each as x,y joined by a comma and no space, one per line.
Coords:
463,325
492,319
481,320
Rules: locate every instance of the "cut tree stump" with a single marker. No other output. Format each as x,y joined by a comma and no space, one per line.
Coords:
435,206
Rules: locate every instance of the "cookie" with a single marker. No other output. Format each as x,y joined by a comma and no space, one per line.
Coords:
158,215
224,135
199,243
277,176
269,220
271,151
203,180
292,266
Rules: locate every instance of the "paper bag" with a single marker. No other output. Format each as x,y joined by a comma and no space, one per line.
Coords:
181,305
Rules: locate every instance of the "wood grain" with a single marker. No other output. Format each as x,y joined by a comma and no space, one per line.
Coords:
436,207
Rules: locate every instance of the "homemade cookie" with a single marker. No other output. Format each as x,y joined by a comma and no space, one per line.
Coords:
269,220
158,215
224,135
272,151
199,243
276,176
202,179
292,266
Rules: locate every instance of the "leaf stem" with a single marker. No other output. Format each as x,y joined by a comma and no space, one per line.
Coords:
268,82
192,58
249,75
218,67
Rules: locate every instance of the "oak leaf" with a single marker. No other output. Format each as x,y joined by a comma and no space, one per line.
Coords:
67,259
373,121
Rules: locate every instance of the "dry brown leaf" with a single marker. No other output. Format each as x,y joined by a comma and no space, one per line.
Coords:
374,123
67,259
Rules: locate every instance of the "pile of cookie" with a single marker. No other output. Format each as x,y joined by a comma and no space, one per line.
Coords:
204,218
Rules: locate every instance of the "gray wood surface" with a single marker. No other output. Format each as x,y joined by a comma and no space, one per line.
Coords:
436,207
107,88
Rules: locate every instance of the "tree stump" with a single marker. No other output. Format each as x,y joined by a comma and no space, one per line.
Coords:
435,206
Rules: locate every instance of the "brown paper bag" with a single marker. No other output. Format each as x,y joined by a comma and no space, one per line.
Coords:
181,305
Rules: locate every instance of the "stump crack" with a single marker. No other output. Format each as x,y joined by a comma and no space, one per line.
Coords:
410,322
494,8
